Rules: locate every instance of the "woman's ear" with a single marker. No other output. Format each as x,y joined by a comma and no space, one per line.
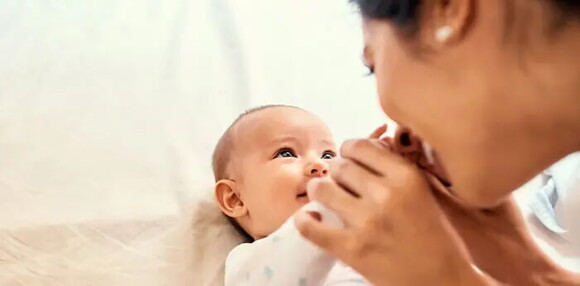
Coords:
229,199
444,22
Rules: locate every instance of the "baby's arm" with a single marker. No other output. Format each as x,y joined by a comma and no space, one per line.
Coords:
283,258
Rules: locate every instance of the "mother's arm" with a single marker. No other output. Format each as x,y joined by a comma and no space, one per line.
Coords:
501,244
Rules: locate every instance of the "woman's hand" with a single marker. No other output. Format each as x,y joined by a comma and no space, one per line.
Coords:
501,244
498,239
395,233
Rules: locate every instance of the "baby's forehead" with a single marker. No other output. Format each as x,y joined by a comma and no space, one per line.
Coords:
267,125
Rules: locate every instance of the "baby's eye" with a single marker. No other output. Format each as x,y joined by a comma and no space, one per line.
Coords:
328,155
285,153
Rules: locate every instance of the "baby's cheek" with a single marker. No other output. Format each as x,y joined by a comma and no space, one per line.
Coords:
282,184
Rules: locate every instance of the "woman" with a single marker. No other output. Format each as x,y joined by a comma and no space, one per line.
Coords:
494,87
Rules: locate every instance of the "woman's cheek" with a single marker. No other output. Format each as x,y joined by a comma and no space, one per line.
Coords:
388,83
386,94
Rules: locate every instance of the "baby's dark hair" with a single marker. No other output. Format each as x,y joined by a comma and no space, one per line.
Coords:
222,156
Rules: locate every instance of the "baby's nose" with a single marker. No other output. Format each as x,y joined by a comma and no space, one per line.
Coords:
317,169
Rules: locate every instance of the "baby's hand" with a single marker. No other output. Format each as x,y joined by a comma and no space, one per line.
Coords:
412,148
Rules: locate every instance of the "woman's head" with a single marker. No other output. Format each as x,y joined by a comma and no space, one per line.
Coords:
493,85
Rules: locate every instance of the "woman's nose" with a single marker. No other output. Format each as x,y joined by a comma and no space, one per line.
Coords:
316,169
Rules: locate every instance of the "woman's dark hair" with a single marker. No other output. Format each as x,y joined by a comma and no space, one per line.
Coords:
402,12
568,5
569,9
405,12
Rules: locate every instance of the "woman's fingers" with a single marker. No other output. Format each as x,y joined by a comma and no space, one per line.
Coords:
395,218
379,131
336,198
388,141
371,154
357,179
326,237
439,187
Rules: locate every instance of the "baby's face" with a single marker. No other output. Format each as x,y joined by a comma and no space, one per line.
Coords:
277,151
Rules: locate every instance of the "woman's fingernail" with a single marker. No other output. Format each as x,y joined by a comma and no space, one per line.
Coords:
316,216
405,139
304,216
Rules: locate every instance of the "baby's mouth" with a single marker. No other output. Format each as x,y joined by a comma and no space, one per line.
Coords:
302,195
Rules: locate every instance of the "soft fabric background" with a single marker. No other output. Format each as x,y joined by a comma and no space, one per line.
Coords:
109,111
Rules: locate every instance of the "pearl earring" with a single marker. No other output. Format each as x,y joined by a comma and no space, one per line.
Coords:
442,34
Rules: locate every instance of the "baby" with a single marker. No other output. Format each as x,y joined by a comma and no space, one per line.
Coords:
262,165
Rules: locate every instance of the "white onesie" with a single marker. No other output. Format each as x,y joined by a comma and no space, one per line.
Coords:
285,258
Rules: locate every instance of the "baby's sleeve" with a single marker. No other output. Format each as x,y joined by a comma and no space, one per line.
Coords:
284,258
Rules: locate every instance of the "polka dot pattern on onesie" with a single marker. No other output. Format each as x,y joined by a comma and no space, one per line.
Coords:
268,272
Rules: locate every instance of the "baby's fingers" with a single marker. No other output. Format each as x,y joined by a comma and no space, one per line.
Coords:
378,132
331,239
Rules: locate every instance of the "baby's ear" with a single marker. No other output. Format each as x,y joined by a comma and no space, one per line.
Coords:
229,199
